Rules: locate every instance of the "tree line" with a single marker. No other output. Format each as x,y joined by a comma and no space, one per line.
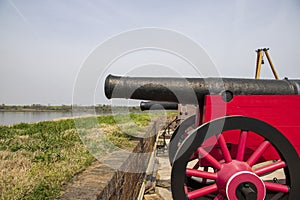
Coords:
64,108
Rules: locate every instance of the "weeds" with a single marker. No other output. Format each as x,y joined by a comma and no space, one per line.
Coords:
37,159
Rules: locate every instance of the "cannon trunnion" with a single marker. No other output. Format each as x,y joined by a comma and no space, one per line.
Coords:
243,142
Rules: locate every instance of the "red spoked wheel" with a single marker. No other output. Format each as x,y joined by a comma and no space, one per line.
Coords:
206,166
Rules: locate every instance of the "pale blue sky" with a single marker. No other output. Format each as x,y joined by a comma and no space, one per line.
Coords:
43,43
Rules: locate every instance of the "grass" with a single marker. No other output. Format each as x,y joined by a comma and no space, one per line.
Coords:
37,159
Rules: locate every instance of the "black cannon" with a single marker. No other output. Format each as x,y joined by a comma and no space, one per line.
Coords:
187,89
157,105
242,143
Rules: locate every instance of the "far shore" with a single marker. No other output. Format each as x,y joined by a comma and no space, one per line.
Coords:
32,110
62,108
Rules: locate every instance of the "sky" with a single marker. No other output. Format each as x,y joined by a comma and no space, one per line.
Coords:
44,45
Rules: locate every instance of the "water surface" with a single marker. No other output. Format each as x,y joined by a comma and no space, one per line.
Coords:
9,118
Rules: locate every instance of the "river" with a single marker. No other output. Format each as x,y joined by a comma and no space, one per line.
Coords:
9,118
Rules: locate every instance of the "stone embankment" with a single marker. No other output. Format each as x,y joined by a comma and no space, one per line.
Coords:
123,181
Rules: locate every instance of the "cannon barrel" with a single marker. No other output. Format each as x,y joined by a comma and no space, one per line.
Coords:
156,105
186,90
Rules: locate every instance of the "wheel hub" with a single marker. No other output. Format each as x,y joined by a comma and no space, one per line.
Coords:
241,181
237,178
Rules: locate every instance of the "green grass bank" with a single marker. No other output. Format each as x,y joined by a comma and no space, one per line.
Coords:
37,159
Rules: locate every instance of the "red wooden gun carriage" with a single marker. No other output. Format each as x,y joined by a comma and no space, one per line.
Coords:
243,142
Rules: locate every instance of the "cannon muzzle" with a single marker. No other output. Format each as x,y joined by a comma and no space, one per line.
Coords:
193,90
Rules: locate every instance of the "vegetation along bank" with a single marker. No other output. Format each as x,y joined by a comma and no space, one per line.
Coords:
37,159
